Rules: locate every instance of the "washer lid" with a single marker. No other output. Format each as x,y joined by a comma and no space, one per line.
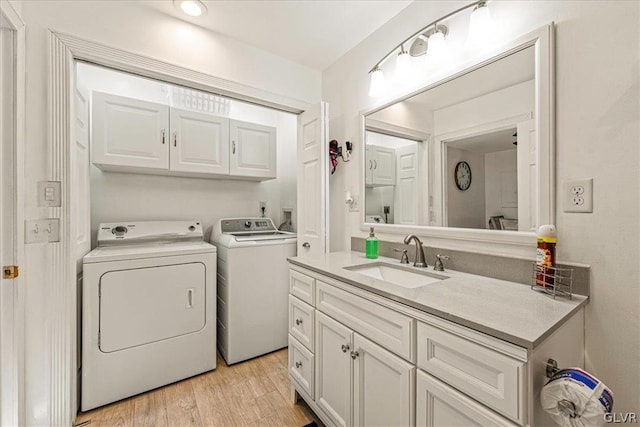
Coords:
137,232
150,250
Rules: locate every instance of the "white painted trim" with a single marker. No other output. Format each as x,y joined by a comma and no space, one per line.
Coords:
385,128
12,19
496,242
102,54
64,49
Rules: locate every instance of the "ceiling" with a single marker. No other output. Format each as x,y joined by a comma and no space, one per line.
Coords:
314,33
487,143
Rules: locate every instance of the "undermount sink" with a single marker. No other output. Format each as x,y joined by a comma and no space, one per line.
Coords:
396,274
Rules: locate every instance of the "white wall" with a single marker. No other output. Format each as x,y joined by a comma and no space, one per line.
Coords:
133,27
466,209
495,165
597,133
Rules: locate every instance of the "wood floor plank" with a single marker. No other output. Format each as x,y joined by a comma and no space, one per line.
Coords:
251,393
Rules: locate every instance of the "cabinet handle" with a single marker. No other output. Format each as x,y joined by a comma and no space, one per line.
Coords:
298,322
345,348
375,164
354,354
175,139
306,245
163,136
370,164
233,147
298,365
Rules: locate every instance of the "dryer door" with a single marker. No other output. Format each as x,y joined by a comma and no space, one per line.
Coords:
143,305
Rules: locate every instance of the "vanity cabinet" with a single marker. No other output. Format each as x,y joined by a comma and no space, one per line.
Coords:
380,166
369,360
129,135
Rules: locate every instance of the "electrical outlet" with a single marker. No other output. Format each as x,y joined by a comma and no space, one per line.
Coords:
355,205
578,195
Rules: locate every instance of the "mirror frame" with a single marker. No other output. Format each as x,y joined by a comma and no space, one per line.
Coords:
499,241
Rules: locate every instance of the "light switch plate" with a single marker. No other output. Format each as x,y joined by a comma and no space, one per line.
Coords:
49,194
42,230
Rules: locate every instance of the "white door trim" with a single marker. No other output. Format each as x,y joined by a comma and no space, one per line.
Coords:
12,20
61,299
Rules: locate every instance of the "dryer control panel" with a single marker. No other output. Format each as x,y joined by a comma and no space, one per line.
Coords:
115,233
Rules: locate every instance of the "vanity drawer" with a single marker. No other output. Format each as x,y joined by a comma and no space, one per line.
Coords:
386,327
301,366
484,374
302,286
301,321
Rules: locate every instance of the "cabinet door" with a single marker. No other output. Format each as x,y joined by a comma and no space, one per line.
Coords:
384,166
333,369
199,142
383,392
368,164
437,404
253,150
129,133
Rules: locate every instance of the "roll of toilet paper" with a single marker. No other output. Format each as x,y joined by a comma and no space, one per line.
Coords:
574,397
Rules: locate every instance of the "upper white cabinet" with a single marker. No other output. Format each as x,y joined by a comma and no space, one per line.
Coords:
129,132
130,135
199,142
253,150
380,164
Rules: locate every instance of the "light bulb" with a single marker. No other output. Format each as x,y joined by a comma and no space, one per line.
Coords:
481,29
378,86
403,66
437,47
192,7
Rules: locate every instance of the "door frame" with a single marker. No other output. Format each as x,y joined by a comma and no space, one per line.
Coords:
64,49
11,19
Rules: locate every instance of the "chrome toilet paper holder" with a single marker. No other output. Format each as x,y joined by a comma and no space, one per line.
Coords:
565,406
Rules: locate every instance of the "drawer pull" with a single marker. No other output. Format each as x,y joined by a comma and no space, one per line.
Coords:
354,354
345,348
298,322
298,365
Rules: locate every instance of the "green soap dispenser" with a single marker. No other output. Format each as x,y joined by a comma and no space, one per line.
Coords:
371,247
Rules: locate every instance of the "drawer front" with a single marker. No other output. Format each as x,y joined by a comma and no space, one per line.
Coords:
301,366
384,326
440,405
484,374
301,321
302,286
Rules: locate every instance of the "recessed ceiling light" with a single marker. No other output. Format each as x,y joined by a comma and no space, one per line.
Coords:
191,7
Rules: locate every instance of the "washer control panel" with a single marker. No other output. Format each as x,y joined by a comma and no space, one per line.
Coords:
235,225
148,231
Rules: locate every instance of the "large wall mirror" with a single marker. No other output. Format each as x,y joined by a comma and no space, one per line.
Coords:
471,152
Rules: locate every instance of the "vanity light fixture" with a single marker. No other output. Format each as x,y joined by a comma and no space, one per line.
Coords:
480,25
191,7
430,38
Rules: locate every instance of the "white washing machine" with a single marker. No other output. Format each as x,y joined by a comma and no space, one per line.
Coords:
253,286
148,309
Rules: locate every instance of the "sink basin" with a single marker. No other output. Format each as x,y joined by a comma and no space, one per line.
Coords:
396,274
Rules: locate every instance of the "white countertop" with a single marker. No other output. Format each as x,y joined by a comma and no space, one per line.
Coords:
510,311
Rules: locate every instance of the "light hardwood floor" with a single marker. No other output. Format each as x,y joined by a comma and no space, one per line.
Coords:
252,393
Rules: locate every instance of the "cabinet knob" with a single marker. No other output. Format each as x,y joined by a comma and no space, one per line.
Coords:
306,245
345,348
354,354
298,365
298,322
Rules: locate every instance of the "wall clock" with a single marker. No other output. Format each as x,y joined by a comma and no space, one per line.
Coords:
463,175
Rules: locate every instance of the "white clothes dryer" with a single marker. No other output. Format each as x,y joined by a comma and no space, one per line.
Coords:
149,309
253,286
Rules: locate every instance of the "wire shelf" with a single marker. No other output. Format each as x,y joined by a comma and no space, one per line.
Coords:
554,281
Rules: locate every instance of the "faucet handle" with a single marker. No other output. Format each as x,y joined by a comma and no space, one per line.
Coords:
404,258
439,266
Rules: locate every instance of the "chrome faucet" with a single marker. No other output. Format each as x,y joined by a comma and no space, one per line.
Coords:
419,261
